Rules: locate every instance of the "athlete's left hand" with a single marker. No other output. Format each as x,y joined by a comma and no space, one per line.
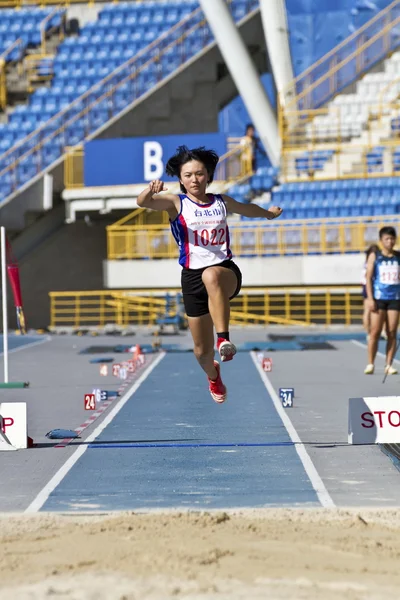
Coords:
275,211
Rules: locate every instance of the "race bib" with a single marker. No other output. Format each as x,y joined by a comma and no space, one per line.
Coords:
389,274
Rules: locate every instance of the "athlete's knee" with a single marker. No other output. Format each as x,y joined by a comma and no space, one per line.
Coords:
211,278
375,332
391,333
202,352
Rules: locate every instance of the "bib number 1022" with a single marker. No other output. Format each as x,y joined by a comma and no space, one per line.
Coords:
215,237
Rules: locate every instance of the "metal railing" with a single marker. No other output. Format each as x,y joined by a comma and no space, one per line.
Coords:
260,238
114,93
31,65
349,161
307,129
329,131
346,62
3,65
284,306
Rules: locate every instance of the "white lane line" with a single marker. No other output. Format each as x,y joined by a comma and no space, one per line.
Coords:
28,345
364,346
43,495
315,479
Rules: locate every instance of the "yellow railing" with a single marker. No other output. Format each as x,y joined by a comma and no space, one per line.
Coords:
3,84
347,161
3,64
329,131
345,132
344,63
125,79
74,167
43,29
259,238
34,65
284,306
233,167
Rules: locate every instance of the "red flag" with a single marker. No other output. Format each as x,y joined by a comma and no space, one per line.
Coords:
13,276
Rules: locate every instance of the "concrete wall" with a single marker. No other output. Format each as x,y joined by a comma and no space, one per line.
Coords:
292,270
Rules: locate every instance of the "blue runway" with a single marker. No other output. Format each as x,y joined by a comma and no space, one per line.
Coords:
171,446
19,341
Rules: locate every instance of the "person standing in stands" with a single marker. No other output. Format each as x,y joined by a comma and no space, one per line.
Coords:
210,278
383,298
250,145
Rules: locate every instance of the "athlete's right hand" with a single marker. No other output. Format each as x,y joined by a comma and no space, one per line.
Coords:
372,305
157,186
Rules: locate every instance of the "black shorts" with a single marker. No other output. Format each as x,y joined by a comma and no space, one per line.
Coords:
388,304
195,296
364,292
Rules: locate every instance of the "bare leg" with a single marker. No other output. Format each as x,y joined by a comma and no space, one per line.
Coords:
366,318
377,320
392,323
202,332
221,285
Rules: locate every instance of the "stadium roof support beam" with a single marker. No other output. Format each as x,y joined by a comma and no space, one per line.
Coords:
244,74
275,25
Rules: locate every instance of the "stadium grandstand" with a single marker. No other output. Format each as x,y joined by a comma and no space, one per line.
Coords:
94,98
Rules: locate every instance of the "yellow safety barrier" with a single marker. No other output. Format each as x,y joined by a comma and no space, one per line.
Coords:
257,238
335,305
74,167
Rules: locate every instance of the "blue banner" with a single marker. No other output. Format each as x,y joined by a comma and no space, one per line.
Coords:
128,161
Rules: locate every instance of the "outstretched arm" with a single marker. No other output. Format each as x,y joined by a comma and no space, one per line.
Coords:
251,210
151,198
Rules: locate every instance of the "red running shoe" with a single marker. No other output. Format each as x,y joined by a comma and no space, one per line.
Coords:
217,389
226,349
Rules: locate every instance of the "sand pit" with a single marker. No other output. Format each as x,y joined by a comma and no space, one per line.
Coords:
275,554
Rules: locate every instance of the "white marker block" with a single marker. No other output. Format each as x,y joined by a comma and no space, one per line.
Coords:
374,420
13,424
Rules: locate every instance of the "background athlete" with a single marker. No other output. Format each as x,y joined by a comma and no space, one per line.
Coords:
210,278
383,298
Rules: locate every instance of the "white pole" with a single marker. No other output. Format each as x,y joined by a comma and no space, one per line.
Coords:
274,18
4,301
244,74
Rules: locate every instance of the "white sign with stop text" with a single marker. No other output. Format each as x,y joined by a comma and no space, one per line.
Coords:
374,420
13,424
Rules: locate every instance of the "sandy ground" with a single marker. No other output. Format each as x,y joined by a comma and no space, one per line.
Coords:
275,554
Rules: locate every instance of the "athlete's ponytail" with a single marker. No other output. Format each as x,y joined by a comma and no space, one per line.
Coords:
183,155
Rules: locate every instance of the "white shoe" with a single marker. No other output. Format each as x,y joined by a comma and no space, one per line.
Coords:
369,369
389,370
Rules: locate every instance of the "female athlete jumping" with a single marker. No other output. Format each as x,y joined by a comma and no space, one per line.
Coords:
210,278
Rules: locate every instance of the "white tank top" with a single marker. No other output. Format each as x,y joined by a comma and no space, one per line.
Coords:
201,232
